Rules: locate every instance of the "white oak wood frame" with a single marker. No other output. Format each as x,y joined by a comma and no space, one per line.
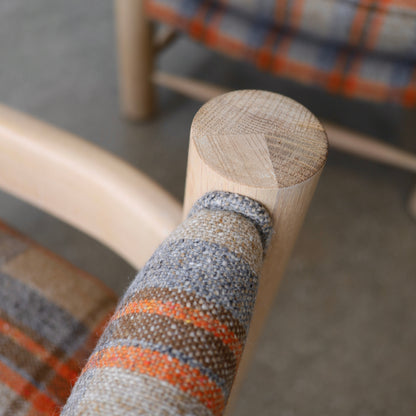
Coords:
198,90
367,147
267,147
85,186
135,59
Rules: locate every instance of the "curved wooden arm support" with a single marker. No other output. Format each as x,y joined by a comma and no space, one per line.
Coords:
85,186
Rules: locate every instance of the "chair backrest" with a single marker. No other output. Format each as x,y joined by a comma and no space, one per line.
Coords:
176,340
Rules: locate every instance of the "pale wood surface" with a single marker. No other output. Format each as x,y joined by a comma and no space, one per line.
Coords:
135,59
367,147
198,90
270,148
84,186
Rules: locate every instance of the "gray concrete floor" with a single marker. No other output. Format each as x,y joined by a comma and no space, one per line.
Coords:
341,339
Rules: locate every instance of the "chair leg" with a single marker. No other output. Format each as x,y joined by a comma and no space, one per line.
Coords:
411,204
229,151
135,59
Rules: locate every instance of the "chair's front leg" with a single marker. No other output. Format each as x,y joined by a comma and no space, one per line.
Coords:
135,59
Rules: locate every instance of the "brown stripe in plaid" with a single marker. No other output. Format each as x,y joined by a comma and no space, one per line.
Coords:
34,336
165,331
232,232
13,402
33,368
92,302
191,301
68,364
10,244
177,335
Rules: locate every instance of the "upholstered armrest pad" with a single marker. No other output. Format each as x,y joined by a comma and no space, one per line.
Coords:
174,344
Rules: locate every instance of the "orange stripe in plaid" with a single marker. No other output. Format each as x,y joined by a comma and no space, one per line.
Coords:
67,371
281,54
280,11
230,46
40,401
377,23
357,25
163,367
409,93
265,54
351,81
336,75
196,25
187,315
411,4
303,72
296,13
213,28
372,90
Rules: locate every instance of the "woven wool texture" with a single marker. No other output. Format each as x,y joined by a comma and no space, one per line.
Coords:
356,48
51,315
174,344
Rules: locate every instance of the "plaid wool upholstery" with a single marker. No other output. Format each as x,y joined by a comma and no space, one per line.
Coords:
51,315
357,48
174,344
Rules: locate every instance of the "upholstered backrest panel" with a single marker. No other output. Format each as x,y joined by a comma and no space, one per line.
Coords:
51,315
361,49
382,26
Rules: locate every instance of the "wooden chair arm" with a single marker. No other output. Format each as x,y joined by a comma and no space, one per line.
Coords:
85,186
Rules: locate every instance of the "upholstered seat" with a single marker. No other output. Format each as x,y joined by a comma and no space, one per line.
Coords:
51,315
364,49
